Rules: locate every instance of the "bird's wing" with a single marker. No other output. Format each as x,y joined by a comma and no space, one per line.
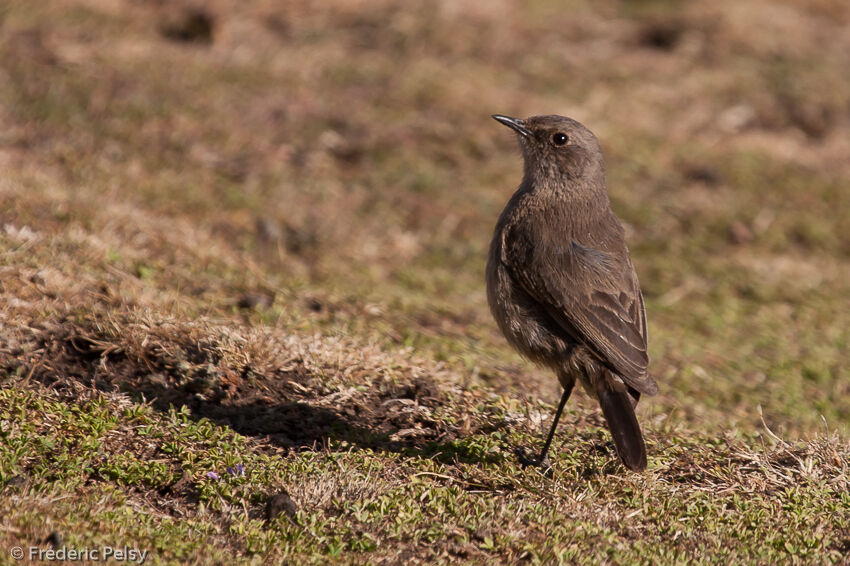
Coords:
594,296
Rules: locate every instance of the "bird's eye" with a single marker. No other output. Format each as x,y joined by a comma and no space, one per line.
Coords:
560,139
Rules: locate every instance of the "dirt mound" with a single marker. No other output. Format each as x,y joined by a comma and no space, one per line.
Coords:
297,405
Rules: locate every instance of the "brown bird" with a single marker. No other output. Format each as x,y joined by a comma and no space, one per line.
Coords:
560,281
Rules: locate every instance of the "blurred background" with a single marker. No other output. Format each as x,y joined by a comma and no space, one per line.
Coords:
331,167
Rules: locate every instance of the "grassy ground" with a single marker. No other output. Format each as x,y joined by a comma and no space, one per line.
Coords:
243,250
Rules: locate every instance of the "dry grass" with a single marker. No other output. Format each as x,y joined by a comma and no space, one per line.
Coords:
255,234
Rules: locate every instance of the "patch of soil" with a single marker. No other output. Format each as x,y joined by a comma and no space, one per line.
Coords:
190,26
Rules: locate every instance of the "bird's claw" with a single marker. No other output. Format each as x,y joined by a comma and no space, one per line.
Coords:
542,464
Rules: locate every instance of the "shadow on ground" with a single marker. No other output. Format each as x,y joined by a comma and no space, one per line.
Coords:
292,409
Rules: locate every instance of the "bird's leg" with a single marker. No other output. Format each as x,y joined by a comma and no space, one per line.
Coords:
544,455
542,461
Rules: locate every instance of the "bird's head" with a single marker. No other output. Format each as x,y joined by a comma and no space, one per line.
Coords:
556,149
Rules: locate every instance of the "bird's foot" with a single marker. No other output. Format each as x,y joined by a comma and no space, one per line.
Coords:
541,463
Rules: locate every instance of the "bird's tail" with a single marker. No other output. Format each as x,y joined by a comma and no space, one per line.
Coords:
624,427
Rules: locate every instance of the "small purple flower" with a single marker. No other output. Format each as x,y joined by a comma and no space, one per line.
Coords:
239,470
213,476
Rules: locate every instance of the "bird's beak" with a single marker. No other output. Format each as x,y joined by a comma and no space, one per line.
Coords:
514,123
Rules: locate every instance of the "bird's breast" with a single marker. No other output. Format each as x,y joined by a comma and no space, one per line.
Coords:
523,321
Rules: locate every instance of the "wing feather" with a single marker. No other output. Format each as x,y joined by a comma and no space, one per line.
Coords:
594,297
